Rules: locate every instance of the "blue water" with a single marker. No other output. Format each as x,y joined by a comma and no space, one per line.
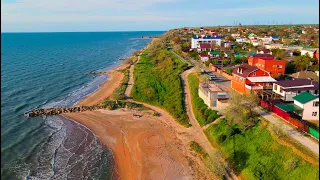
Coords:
51,70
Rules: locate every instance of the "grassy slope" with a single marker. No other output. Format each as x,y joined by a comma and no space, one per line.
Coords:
257,153
159,83
203,114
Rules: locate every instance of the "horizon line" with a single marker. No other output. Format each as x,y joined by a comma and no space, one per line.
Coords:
156,30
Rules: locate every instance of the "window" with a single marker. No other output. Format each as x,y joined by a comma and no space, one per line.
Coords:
299,92
281,89
254,73
314,113
315,91
275,87
316,103
279,66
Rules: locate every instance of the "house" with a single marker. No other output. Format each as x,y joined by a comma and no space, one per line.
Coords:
312,52
204,47
214,53
306,75
309,104
252,36
273,46
264,51
235,35
287,89
226,44
275,38
265,40
213,95
268,63
204,57
254,42
241,40
196,40
246,78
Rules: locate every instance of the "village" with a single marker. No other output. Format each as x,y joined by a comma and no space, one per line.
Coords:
278,63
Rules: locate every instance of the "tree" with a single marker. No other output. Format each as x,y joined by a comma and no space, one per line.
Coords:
302,62
240,109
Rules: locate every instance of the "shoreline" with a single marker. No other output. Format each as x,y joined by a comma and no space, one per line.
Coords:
105,91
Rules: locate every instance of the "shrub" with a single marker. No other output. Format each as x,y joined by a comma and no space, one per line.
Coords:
158,83
194,146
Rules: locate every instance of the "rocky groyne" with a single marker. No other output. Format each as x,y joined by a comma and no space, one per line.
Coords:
56,111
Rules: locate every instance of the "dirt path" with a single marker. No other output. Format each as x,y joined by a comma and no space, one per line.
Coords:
197,130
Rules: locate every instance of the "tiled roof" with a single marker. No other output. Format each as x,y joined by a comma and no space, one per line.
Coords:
305,75
205,45
297,82
204,55
246,70
304,97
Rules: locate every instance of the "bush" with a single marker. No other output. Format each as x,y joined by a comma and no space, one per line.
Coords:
194,146
118,93
158,83
203,114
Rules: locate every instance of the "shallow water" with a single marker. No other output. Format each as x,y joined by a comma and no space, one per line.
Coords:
51,70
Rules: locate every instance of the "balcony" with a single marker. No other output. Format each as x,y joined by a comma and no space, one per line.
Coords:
253,87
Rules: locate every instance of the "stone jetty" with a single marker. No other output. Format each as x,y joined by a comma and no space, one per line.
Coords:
56,111
98,72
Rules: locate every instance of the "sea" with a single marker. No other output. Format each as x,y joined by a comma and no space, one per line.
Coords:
52,70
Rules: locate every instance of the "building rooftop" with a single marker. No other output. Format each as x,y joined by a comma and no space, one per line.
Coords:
298,83
207,37
306,75
212,87
246,69
304,97
205,45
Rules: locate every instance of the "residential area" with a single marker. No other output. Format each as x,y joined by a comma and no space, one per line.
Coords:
279,64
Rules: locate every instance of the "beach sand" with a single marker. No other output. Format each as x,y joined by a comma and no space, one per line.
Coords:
144,148
105,90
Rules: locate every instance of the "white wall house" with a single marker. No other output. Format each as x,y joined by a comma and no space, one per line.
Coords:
309,51
287,89
241,40
273,46
310,105
213,95
196,40
265,40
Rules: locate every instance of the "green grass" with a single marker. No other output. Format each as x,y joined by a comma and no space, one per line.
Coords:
194,146
157,81
203,114
118,93
258,155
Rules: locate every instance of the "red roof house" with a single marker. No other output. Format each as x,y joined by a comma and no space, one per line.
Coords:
246,79
268,63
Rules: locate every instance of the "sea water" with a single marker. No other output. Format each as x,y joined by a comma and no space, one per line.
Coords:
51,70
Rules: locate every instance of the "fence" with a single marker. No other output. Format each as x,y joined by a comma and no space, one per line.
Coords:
220,71
288,117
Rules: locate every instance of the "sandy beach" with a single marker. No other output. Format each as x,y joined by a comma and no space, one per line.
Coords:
144,148
105,90
148,147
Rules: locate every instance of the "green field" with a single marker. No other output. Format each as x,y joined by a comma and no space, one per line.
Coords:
203,114
258,155
157,81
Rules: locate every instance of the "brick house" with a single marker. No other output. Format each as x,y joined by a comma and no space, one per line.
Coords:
246,79
268,63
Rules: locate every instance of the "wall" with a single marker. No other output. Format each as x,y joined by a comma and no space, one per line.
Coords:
205,98
237,85
308,109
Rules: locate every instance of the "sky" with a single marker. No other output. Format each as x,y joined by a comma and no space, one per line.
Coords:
145,15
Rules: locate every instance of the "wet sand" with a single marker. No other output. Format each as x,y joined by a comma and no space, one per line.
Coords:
143,148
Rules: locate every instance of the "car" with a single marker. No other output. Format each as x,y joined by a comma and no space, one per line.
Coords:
212,77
